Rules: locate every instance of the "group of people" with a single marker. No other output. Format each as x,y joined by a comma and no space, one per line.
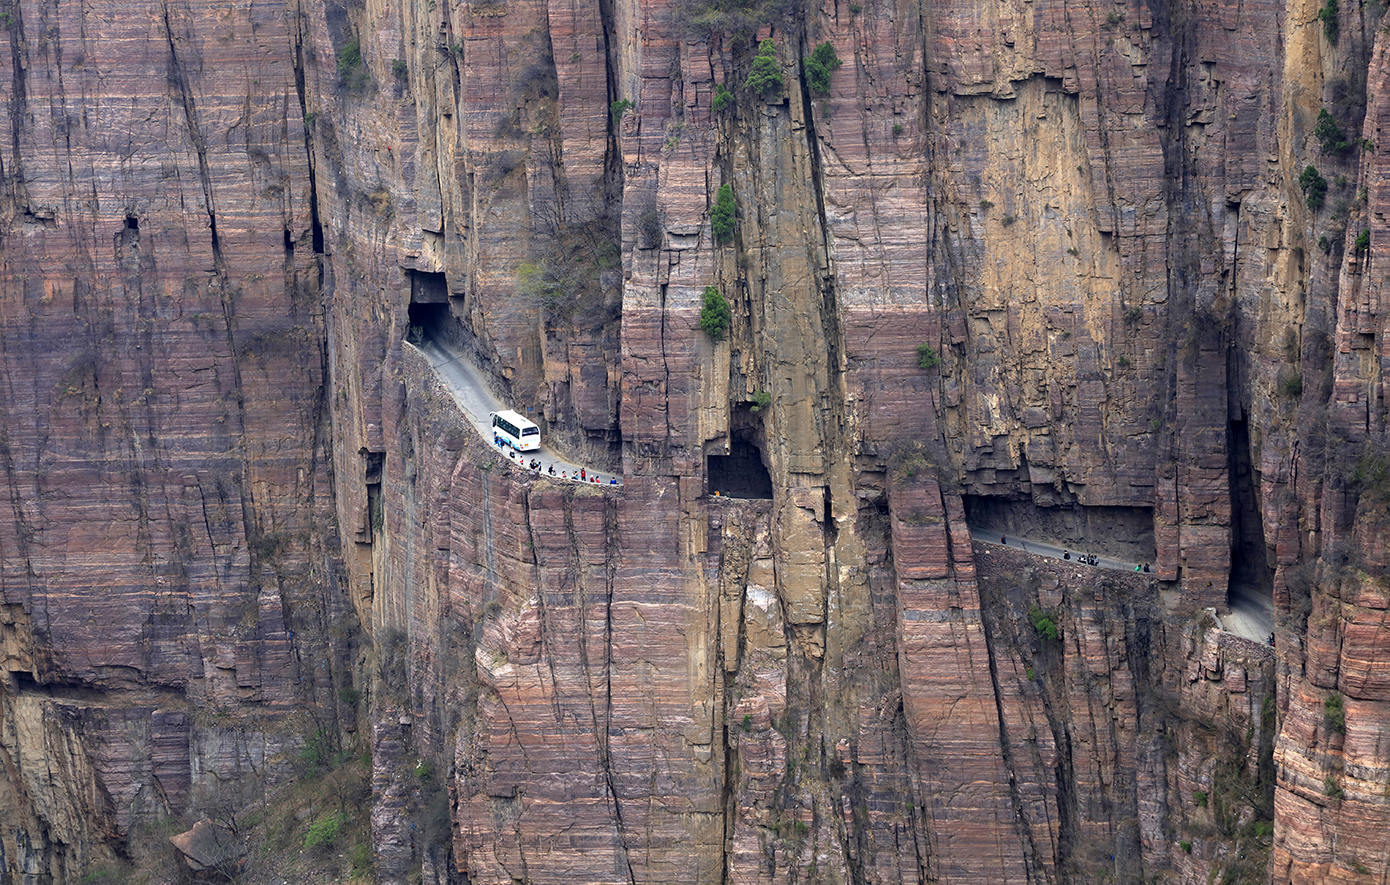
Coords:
1083,558
534,465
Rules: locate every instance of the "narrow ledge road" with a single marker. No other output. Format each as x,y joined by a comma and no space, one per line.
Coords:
1043,548
472,395
1251,615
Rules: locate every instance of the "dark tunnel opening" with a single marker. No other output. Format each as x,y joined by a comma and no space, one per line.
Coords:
428,312
431,319
741,473
372,469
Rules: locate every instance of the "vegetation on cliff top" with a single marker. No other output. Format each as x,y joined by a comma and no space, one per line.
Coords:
704,19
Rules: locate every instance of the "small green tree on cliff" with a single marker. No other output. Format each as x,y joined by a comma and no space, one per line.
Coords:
819,64
927,357
1330,26
352,68
766,76
715,316
1044,623
721,217
1332,137
1314,187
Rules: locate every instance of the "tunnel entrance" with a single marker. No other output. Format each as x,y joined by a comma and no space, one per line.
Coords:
429,313
741,473
1125,533
1249,562
429,318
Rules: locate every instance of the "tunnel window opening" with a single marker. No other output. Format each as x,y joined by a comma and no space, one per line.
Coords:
741,473
372,462
1124,533
128,242
1250,571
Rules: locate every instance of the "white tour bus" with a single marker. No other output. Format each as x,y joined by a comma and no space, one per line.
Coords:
515,431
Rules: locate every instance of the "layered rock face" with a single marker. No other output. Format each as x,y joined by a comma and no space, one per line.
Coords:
1093,217
1096,219
169,564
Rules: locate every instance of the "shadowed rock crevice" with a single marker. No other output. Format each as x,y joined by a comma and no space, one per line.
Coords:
1249,559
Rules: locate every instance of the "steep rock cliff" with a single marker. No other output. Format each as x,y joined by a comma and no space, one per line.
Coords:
168,560
1096,216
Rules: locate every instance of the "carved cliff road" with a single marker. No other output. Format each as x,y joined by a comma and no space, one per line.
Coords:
476,400
1043,548
1251,615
